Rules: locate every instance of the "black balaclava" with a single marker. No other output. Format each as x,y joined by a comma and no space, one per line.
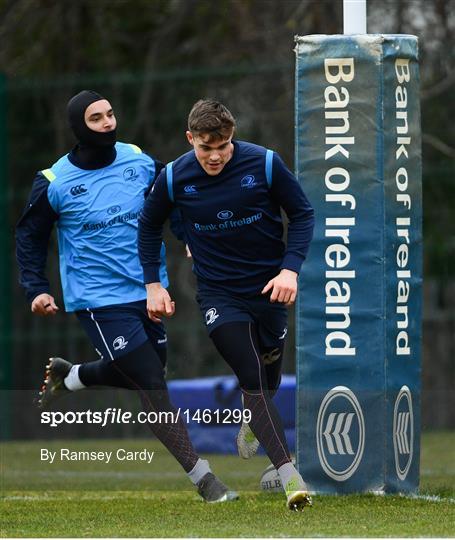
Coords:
95,149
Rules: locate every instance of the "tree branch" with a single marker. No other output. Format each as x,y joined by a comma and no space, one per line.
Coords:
439,87
435,142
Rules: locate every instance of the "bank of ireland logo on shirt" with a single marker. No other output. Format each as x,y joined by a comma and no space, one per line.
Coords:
211,316
224,214
114,210
119,343
403,432
129,174
340,433
248,181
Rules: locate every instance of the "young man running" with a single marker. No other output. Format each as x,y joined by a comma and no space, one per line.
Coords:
94,195
230,194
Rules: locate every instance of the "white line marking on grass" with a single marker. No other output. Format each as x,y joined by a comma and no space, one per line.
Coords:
95,474
59,498
63,495
429,498
433,472
112,474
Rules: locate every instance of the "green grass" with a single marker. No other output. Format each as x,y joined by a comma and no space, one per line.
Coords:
85,499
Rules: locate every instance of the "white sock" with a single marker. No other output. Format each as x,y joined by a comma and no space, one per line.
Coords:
201,468
288,472
72,381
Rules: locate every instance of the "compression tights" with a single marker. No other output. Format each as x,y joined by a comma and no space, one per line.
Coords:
143,370
238,344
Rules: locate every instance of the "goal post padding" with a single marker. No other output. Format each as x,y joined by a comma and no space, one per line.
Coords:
358,339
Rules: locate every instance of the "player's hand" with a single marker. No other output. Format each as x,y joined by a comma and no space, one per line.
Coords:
44,304
159,302
188,252
283,287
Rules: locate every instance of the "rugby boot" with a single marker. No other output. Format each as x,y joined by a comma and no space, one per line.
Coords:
53,386
213,490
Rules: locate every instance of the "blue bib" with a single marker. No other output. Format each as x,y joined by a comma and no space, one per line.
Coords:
97,228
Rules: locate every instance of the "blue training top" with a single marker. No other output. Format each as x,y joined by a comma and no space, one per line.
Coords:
96,212
232,221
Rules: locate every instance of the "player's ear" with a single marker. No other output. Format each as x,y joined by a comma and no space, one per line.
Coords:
190,138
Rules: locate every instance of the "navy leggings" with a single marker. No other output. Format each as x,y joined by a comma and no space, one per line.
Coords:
259,375
142,370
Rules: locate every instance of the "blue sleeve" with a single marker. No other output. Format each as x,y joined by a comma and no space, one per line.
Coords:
33,231
157,209
287,192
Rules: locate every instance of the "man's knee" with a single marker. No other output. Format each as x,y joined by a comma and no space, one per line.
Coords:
272,361
250,381
142,368
270,357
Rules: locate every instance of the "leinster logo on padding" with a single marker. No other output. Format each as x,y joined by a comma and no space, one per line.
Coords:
119,343
211,316
340,433
403,432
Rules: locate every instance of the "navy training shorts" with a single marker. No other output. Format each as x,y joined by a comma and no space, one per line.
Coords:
120,329
219,307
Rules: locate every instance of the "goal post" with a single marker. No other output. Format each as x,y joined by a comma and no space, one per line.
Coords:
358,157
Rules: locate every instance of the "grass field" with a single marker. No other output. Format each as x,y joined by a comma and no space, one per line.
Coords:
136,499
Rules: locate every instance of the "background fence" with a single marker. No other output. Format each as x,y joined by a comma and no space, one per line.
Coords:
153,59
259,96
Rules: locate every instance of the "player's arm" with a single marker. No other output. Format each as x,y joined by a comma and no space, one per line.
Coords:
175,218
157,209
289,195
33,231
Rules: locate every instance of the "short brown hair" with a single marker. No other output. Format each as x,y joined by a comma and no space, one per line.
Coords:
211,117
